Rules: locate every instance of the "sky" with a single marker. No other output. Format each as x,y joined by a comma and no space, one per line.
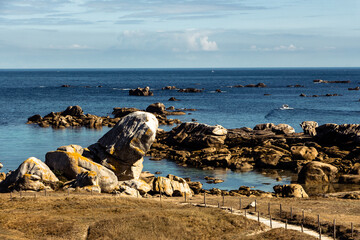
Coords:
179,33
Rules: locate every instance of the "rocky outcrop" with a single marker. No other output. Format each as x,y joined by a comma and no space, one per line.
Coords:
1,166
71,163
190,90
122,112
32,174
317,173
123,147
73,116
309,127
171,186
158,108
278,129
290,190
141,92
349,179
304,153
197,135
339,135
138,184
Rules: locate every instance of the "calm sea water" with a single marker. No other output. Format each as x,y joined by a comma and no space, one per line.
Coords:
24,93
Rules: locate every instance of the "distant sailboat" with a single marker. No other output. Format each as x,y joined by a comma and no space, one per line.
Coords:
212,71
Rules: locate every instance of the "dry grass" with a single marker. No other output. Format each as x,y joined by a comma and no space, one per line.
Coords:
345,211
106,217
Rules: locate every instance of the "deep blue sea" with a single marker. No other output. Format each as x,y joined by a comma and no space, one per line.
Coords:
24,93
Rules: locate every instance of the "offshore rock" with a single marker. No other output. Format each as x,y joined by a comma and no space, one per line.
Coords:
32,174
124,146
122,112
158,108
73,111
317,172
198,135
141,92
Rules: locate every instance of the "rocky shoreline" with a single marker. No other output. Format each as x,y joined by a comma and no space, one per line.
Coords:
73,116
320,155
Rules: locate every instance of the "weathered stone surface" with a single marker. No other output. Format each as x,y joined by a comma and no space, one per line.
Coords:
1,166
171,186
2,176
139,185
70,164
141,92
34,118
198,135
338,134
317,172
304,153
278,129
158,108
88,178
122,112
195,186
291,190
73,111
349,179
309,127
122,148
32,174
147,177
267,157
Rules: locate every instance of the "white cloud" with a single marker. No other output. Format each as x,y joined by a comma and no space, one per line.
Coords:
74,46
198,41
174,41
207,45
290,47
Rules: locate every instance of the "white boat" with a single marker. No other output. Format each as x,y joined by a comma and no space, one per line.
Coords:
286,107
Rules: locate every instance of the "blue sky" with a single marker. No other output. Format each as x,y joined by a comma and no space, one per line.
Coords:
179,33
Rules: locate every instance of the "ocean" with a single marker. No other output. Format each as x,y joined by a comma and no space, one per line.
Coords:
24,93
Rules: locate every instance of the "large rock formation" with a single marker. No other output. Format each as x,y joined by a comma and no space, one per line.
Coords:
334,134
317,172
32,174
141,92
278,129
198,135
291,190
171,186
123,147
309,127
304,153
69,162
1,166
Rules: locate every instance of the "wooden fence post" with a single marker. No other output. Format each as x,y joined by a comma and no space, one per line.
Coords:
286,224
334,229
352,230
255,205
269,210
240,204
280,210
270,221
291,212
258,216
204,199
223,200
